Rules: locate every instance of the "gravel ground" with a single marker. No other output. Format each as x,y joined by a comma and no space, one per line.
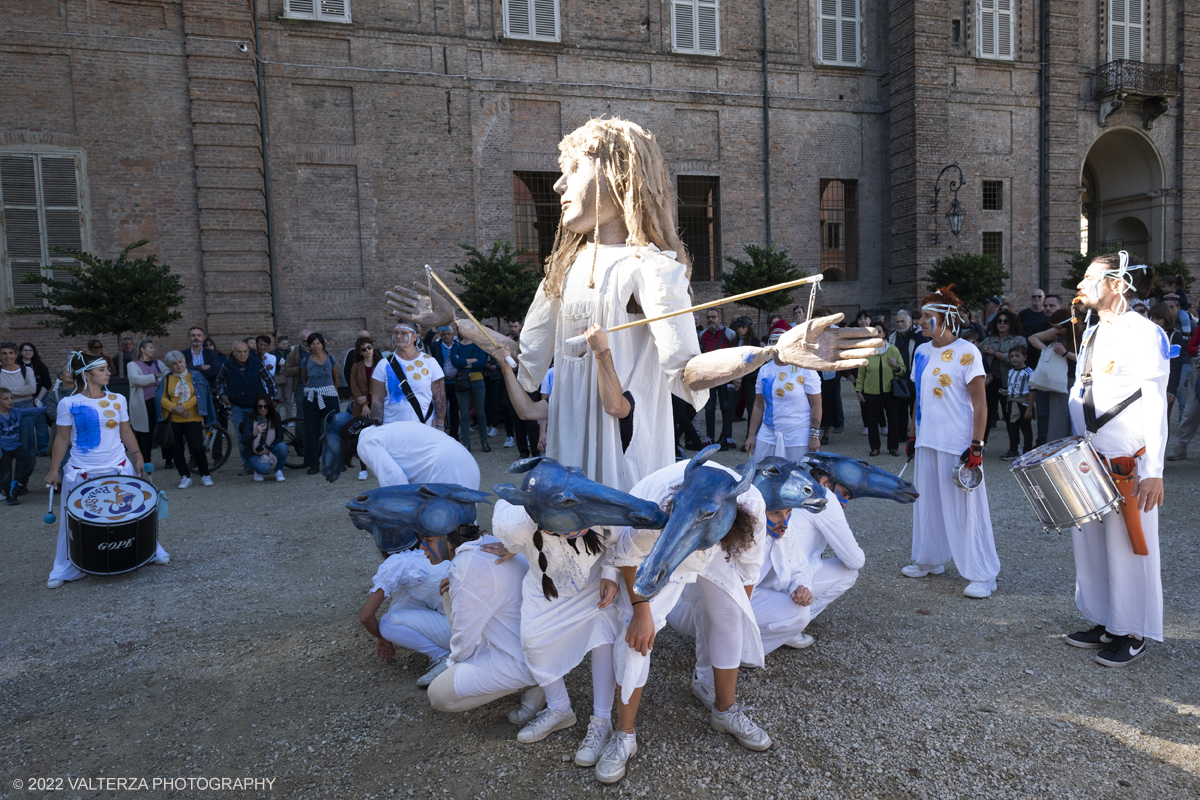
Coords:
244,658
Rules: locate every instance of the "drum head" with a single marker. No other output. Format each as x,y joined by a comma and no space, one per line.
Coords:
1047,451
112,500
967,478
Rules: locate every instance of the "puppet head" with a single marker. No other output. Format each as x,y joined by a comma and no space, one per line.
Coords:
783,485
858,477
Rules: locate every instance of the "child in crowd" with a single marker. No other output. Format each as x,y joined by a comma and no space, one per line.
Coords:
13,480
1018,402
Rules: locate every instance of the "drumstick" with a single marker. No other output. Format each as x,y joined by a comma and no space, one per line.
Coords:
711,304
429,271
49,519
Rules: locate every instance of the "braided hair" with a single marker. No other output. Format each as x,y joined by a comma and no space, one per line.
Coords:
591,543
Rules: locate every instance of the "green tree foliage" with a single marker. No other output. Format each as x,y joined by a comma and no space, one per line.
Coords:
109,296
496,284
767,266
1078,263
975,277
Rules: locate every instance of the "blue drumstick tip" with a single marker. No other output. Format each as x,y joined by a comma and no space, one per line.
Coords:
49,519
149,468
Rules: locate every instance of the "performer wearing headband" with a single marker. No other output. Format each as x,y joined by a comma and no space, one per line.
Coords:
94,424
409,385
1119,399
946,430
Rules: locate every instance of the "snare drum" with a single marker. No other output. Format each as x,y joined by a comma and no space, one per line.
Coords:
112,524
1066,483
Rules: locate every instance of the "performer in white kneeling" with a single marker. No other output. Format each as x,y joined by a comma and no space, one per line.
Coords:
93,425
1119,398
486,660
946,430
397,453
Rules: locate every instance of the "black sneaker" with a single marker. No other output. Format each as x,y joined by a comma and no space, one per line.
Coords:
246,471
11,501
1009,456
1123,651
1093,639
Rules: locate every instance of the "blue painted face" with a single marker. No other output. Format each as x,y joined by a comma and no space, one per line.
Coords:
563,500
702,512
860,478
784,485
436,548
396,515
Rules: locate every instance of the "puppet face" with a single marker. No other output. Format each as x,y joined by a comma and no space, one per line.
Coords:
785,486
426,510
577,187
856,478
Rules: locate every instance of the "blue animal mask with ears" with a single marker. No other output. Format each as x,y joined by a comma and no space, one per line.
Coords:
784,485
564,500
333,462
396,515
702,512
859,477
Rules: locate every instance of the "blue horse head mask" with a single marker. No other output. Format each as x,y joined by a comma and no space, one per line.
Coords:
860,478
784,485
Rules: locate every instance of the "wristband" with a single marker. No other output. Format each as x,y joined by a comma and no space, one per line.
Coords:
638,601
814,433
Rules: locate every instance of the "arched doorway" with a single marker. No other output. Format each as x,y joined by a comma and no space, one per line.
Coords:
1121,198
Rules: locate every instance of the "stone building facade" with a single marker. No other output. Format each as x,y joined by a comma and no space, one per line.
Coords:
292,159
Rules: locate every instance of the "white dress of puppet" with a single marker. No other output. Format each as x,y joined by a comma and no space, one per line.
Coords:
631,283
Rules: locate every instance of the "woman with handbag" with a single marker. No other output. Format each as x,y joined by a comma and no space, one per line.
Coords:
874,387
1004,333
144,373
1056,370
185,403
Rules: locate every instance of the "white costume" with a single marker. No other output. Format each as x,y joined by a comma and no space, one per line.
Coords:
399,453
787,416
635,545
649,360
557,633
948,522
414,619
794,560
486,661
96,451
422,371
1114,587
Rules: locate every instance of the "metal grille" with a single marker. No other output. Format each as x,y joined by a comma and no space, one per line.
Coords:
537,212
992,244
993,195
1135,77
839,230
700,224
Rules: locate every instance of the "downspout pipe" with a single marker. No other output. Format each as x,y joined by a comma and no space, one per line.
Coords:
1043,160
766,109
266,161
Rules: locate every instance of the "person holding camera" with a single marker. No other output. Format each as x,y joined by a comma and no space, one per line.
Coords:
261,437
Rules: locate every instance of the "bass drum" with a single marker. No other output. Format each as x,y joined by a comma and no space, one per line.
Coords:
1066,482
112,524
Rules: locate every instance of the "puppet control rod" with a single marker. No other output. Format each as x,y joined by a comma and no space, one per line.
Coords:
711,304
429,271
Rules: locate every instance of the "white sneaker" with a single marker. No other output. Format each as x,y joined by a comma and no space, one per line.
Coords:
980,589
362,475
533,700
918,571
704,693
279,476
185,483
258,478
739,726
54,584
611,766
163,561
206,480
491,431
545,723
800,641
437,668
509,442
598,733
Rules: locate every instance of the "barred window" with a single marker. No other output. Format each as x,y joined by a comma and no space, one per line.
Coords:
992,244
993,195
839,230
537,211
700,224
41,210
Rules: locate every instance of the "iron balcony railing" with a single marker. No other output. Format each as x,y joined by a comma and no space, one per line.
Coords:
1125,77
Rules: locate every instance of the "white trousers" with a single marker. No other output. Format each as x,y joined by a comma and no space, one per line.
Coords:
781,619
1114,587
715,620
460,688
949,523
768,442
420,629
63,569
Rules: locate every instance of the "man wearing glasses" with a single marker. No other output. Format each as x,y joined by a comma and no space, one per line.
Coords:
409,386
717,337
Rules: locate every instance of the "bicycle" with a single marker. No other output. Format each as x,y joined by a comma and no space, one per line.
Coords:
292,430
217,441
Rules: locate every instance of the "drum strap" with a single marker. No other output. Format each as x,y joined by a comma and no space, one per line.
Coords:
1090,420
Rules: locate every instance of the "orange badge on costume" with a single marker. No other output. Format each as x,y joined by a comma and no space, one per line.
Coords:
967,359
944,380
937,391
948,355
112,423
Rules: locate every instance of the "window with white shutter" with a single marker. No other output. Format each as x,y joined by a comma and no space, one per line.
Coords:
323,10
531,19
39,209
696,27
837,33
1126,29
995,26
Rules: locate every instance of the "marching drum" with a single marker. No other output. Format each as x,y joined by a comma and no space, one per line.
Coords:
1066,482
112,524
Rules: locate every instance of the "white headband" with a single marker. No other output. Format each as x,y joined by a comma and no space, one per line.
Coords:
1122,274
950,312
86,366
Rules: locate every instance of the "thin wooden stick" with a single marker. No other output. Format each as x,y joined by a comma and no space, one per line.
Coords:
429,271
711,304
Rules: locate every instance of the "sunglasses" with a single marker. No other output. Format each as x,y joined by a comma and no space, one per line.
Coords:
261,405
365,349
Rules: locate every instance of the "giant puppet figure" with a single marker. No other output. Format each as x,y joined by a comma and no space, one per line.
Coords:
617,258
